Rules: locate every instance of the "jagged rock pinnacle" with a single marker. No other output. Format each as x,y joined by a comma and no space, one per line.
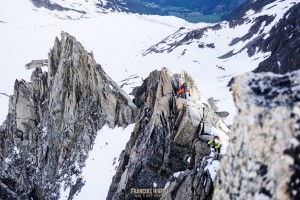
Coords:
53,121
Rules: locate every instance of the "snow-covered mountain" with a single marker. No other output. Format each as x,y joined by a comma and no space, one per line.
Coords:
73,9
128,47
229,38
262,28
187,9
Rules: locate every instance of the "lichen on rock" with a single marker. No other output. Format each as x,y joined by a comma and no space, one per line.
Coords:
262,160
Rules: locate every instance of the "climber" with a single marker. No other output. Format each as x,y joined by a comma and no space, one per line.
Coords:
183,90
215,143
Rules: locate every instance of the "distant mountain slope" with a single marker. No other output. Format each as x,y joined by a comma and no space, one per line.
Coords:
195,10
261,27
255,5
188,9
203,6
81,8
283,43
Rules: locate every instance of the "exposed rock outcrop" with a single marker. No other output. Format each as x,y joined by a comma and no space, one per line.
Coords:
262,159
36,64
165,141
53,121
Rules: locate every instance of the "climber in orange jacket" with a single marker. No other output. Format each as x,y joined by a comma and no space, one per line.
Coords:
183,90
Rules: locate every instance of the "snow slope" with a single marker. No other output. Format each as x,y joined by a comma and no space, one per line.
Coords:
102,163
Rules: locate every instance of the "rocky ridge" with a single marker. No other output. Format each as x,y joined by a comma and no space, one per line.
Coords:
165,142
53,121
262,160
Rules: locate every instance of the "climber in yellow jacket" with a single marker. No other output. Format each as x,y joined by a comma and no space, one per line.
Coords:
215,143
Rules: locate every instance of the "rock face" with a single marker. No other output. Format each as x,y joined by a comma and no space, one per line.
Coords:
262,160
53,121
165,141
